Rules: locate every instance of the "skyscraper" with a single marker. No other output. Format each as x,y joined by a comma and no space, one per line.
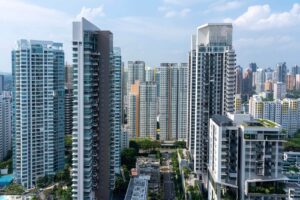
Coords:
212,85
147,114
253,67
290,82
5,124
68,99
173,101
295,70
134,110
247,83
279,90
1,83
142,110
239,79
38,110
136,71
96,112
149,74
116,109
260,77
281,72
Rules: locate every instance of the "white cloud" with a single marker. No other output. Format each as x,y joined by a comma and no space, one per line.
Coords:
169,13
90,13
22,20
260,17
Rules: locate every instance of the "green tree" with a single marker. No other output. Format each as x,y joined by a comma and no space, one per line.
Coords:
14,189
128,157
133,144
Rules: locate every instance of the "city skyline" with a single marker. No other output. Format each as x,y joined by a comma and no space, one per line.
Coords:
271,27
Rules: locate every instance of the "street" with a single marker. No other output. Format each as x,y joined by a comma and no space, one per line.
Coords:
168,185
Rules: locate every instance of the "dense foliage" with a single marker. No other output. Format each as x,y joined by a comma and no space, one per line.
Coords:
293,144
14,189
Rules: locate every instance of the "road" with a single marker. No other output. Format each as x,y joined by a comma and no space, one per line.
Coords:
168,185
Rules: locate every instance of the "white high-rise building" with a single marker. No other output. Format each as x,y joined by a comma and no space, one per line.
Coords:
285,112
136,71
246,158
96,112
142,110
149,74
1,83
279,90
38,110
173,101
5,124
223,156
147,114
212,86
260,77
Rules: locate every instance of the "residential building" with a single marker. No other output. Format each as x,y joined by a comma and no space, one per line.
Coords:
260,80
268,86
124,94
247,90
5,124
149,74
142,110
239,79
280,72
291,166
211,88
116,109
261,153
253,67
136,71
246,158
237,103
134,110
173,101
1,83
269,74
38,110
279,90
284,112
290,82
157,81
68,99
147,110
298,82
96,112
124,137
295,70
223,157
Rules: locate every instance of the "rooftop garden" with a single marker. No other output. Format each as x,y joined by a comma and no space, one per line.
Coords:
293,168
267,123
267,188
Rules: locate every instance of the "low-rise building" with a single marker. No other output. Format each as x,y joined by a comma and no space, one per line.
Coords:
291,166
137,188
149,167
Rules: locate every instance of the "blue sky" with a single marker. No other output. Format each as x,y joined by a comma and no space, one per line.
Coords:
265,32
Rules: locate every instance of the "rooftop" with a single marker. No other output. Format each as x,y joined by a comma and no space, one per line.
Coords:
261,123
137,189
222,120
